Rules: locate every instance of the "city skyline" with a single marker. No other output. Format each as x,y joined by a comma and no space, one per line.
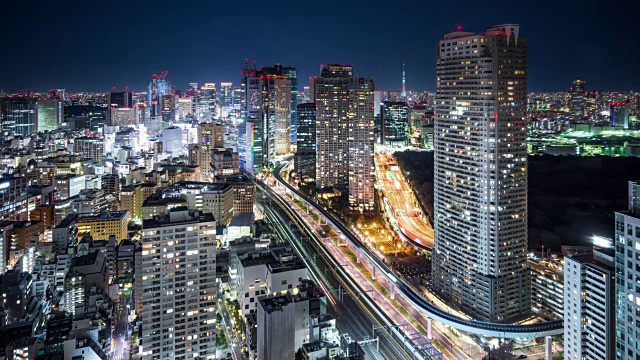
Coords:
106,47
351,181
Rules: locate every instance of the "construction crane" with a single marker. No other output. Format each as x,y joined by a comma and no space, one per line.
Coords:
162,75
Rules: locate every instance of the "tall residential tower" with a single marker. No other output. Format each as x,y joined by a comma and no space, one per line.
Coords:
481,173
344,133
627,306
176,286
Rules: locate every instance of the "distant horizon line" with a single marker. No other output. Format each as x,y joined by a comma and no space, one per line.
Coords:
2,91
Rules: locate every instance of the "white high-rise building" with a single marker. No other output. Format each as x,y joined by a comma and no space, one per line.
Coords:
172,141
480,173
344,133
627,243
589,302
176,286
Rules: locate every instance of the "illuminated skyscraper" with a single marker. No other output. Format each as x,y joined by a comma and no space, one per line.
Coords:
395,123
179,317
50,113
18,115
291,74
251,131
210,135
305,158
168,108
344,133
207,97
226,94
122,111
307,127
157,87
267,107
238,98
619,112
184,107
123,99
305,95
480,173
577,103
279,115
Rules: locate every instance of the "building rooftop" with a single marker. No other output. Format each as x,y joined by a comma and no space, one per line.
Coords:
68,220
67,176
242,219
234,178
15,281
204,186
84,260
317,346
601,258
306,290
284,260
277,259
104,216
178,215
244,242
546,266
25,224
160,201
275,303
128,188
87,138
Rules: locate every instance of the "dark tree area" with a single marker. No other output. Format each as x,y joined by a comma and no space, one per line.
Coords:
418,167
571,198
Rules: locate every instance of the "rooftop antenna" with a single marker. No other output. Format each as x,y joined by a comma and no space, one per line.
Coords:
404,85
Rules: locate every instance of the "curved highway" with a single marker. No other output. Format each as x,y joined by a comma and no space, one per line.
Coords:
394,190
473,326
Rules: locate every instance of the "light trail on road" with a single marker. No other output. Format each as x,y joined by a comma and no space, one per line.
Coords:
411,220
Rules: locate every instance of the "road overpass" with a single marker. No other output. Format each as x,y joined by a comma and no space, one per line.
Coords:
489,329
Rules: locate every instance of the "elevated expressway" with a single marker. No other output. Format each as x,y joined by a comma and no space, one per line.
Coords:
507,331
402,338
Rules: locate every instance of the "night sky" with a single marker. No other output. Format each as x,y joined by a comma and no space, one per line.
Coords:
95,45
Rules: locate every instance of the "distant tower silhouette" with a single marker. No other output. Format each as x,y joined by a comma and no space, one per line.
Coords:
404,85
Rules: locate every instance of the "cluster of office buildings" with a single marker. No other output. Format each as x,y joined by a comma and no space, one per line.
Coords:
119,210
